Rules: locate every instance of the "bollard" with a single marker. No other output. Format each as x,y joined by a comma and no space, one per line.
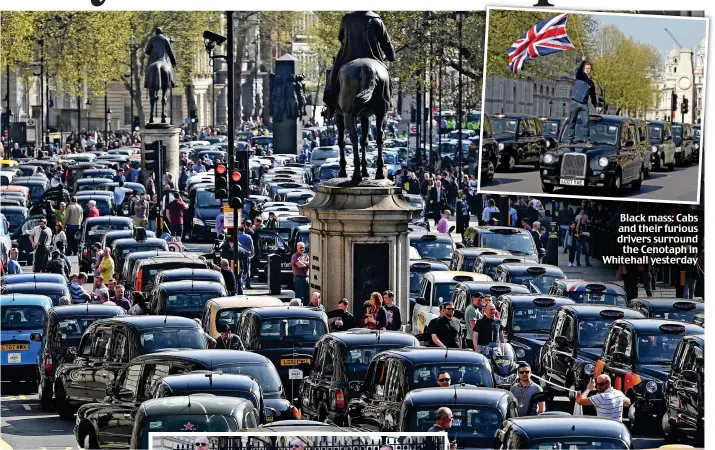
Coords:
552,250
273,272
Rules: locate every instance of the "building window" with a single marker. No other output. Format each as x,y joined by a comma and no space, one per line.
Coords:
675,69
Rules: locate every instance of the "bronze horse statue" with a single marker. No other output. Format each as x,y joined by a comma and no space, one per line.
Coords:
161,82
159,75
364,91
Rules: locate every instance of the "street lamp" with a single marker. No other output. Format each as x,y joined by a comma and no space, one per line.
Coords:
551,102
459,17
563,109
87,106
108,115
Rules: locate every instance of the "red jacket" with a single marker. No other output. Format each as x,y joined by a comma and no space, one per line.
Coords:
175,211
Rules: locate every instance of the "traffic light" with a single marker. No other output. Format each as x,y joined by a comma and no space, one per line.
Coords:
135,123
151,156
221,181
673,101
684,106
235,196
194,118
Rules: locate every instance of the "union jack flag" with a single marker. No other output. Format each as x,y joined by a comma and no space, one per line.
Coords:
546,37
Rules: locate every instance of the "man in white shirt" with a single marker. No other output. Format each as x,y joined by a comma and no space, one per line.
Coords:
487,213
608,402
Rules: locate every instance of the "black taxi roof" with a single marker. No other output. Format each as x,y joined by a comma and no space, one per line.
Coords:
429,264
362,337
580,284
150,322
91,310
670,304
191,286
495,287
131,242
651,326
427,355
210,381
594,311
179,259
456,395
500,229
528,300
429,236
189,273
109,219
453,276
198,405
502,259
36,287
511,116
536,427
523,267
210,358
270,312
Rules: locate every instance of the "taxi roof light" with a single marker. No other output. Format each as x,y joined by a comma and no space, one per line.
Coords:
544,301
536,269
612,314
672,328
463,278
500,289
429,237
688,306
595,287
511,260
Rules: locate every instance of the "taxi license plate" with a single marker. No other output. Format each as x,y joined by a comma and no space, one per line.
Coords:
294,361
15,347
571,182
213,230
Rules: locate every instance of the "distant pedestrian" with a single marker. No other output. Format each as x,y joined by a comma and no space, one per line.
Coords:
443,224
77,290
73,219
139,307
346,321
300,266
106,266
315,301
228,340
394,318
246,242
92,208
40,239
489,211
175,215
228,277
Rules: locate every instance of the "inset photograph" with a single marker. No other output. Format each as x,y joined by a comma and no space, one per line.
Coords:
594,104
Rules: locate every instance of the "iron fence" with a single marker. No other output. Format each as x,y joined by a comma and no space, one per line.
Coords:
326,443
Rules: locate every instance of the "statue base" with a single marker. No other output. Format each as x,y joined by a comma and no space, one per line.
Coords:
358,242
169,136
157,125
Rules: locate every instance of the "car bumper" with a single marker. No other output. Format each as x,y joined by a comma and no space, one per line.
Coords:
18,372
599,179
203,231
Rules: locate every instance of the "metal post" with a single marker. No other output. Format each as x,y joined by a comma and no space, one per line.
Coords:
7,92
229,62
255,78
131,83
79,113
106,119
42,90
460,18
439,146
418,117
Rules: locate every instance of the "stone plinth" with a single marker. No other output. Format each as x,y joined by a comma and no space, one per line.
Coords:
169,136
358,242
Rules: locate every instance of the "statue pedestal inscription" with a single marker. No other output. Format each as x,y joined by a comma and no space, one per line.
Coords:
169,135
358,242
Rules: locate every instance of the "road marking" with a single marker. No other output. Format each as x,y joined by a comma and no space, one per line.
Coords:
22,397
12,397
27,407
4,445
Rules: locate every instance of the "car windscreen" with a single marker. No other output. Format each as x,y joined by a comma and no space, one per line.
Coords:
157,339
655,133
358,359
207,199
683,316
95,233
443,292
19,317
592,332
328,173
504,125
468,263
263,141
319,154
189,301
580,443
537,283
36,191
415,279
390,158
144,248
229,317
217,392
678,130
657,348
433,249
471,422
425,376
533,319
214,423
516,243
550,128
598,298
278,333
600,133
70,330
265,374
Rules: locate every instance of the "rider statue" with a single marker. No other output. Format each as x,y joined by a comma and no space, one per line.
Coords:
159,50
362,35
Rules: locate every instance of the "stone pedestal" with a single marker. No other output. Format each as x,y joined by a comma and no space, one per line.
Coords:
287,133
358,242
169,136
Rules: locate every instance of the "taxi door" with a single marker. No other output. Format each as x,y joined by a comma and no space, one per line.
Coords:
423,314
616,360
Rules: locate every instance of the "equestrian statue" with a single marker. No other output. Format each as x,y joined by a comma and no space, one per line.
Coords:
159,74
358,87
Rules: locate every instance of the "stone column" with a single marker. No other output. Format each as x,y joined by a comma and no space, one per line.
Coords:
359,243
169,135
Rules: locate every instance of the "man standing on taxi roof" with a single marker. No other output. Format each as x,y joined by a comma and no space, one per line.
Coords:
583,89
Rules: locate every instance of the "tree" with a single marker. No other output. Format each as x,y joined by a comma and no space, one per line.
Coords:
17,39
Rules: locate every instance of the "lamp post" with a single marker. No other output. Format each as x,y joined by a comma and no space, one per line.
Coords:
563,109
459,16
88,105
108,121
551,102
8,111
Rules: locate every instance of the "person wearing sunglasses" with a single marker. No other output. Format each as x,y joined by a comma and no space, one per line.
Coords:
608,402
487,329
201,443
445,329
443,379
524,390
296,445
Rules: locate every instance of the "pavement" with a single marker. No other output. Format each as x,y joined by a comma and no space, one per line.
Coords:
680,185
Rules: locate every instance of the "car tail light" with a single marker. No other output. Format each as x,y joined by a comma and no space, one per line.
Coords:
339,399
295,413
48,363
138,284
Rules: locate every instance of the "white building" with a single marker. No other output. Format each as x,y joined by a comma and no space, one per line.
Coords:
549,97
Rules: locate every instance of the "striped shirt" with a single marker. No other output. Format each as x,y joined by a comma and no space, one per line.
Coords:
609,404
77,292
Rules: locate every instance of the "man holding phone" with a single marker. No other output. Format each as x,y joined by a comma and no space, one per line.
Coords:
608,402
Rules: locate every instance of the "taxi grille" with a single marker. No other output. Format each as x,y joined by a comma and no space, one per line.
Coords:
210,223
573,165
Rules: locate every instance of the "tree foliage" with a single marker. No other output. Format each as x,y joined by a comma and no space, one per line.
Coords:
17,42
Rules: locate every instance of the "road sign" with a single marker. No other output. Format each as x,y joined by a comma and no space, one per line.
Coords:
30,122
413,129
228,217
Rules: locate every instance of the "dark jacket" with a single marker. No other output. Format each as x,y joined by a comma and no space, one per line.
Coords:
394,318
233,344
583,87
230,279
58,265
348,322
362,34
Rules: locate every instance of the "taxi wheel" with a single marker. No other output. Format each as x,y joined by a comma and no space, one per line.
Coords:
46,403
670,433
511,165
616,185
61,404
635,424
90,441
548,188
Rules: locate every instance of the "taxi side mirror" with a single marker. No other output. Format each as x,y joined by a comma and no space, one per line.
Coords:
36,337
422,301
690,375
563,341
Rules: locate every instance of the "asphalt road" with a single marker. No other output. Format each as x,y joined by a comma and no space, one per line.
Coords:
680,185
23,425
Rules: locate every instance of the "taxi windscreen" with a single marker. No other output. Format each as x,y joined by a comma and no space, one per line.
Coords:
683,316
657,348
443,292
516,243
501,125
473,374
592,332
600,132
280,332
550,128
536,283
533,319
215,423
193,301
265,374
470,422
179,338
70,331
598,298
95,233
19,317
358,359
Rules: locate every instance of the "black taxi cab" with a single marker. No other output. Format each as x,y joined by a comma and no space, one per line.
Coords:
519,139
537,277
569,355
432,245
644,145
590,292
477,412
195,413
394,373
685,392
63,330
185,298
487,264
683,138
122,247
189,274
551,127
526,321
697,142
465,290
637,355
660,135
562,431
145,270
464,258
610,161
516,241
668,308
93,230
340,362
418,269
286,335
108,345
489,151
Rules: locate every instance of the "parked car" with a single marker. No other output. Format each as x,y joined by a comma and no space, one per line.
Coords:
516,241
562,431
684,392
537,277
683,138
490,151
122,247
589,292
185,298
519,139
93,231
54,291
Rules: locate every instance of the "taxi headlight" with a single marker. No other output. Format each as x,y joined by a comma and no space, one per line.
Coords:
655,149
548,144
500,146
198,222
520,352
588,369
603,162
651,387
696,146
548,158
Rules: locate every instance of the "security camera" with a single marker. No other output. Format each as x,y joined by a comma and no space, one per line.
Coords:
213,38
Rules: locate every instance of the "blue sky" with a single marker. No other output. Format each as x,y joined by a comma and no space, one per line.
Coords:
651,30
